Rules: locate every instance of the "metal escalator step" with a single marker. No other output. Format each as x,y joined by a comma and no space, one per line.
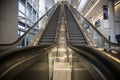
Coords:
51,29
48,37
73,28
53,37
51,26
50,32
74,38
77,41
50,43
79,44
73,32
47,40
75,35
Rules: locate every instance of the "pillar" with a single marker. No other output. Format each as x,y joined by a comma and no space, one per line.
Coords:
117,20
112,20
8,21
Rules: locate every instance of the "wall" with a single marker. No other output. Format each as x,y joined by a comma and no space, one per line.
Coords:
49,4
42,7
8,21
69,1
105,27
117,19
75,3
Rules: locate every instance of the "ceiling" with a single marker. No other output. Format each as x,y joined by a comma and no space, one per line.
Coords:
90,8
90,11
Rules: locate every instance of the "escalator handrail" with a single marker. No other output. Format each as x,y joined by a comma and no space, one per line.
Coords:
106,40
27,32
5,74
112,65
10,52
38,40
78,25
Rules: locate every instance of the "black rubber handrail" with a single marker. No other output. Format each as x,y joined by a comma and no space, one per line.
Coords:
17,50
109,67
27,32
105,39
6,75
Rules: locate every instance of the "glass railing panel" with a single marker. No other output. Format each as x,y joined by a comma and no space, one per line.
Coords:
94,36
81,68
37,28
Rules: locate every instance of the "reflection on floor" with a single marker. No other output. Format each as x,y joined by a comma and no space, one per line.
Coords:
62,69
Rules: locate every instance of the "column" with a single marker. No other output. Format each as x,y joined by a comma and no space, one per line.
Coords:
112,20
106,23
8,21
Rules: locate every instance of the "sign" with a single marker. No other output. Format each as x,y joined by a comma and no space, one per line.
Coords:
105,12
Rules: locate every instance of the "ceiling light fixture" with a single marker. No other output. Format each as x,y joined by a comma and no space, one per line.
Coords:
118,2
92,8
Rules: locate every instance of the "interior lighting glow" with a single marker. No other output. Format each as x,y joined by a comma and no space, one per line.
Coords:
92,8
118,2
112,57
82,5
114,52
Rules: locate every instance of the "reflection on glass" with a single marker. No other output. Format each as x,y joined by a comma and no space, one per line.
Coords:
37,28
88,29
21,7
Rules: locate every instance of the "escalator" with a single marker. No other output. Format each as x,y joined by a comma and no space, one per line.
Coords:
36,57
74,33
78,43
61,54
49,36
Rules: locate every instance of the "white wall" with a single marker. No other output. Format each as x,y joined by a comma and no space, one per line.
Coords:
8,21
105,27
69,1
75,3
42,7
117,19
49,3
45,5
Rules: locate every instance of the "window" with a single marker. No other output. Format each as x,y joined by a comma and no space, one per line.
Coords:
20,33
29,11
20,26
21,7
23,1
34,15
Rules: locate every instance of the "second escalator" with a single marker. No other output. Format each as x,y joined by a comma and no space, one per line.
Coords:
75,35
49,35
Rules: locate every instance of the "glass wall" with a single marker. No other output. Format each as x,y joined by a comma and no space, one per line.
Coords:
28,14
